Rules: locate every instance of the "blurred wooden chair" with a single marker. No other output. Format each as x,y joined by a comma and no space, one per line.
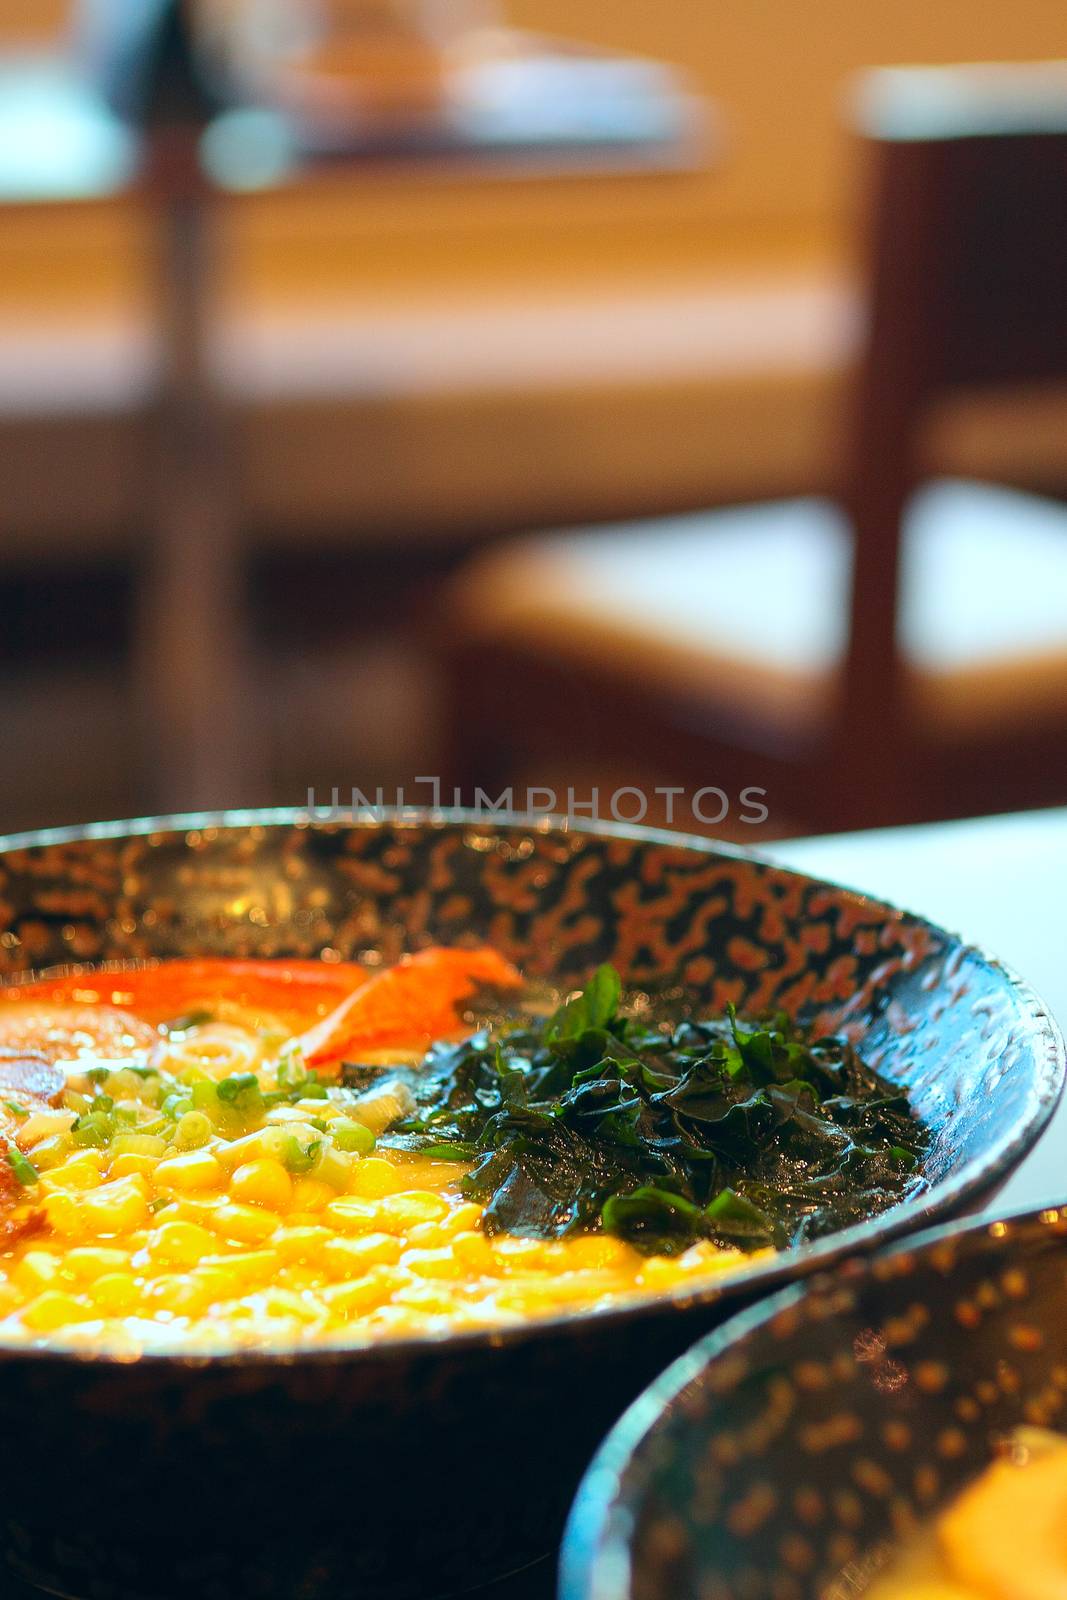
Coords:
898,655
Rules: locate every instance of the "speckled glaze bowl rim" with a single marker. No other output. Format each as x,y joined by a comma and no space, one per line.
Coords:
760,1280
594,1563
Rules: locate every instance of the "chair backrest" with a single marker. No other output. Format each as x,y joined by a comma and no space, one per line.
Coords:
966,254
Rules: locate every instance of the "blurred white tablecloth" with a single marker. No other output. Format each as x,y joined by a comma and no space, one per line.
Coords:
1000,882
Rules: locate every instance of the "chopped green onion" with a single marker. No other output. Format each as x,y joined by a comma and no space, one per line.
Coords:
176,1104
351,1136
334,1167
271,1141
52,1151
94,1129
138,1144
238,1083
291,1071
191,1076
313,1089
98,1074
157,1125
24,1170
193,1131
15,1110
296,1158
205,1096
241,1094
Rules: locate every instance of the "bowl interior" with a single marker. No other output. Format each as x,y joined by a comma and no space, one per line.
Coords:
980,1058
786,1454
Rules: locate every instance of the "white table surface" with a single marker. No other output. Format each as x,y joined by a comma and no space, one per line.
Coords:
1001,882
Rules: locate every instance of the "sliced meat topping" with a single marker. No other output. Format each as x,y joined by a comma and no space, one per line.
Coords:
25,1077
73,1032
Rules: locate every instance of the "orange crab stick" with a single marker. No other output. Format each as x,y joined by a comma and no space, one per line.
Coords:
411,1004
298,992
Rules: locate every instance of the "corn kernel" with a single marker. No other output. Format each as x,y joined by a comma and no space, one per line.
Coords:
427,1236
180,1244
62,1213
400,1322
115,1207
53,1309
347,1256
179,1293
527,1300
245,1269
299,1277
525,1255
191,1205
400,1212
418,1173
432,1263
300,1243
287,1303
90,1261
475,1251
597,1250
433,1298
658,1272
262,1183
311,1195
372,1178
82,1171
583,1288
216,1280
461,1219
362,1294
115,1294
124,1165
352,1215
196,1169
36,1271
245,1224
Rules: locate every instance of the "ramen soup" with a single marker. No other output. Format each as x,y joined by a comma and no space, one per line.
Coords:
211,1154
1003,1538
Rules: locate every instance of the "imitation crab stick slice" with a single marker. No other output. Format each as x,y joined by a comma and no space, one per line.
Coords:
411,1004
296,991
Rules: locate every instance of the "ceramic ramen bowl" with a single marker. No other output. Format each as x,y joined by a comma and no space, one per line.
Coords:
789,1453
421,1468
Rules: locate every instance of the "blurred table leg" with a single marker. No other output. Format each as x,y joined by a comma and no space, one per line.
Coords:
193,657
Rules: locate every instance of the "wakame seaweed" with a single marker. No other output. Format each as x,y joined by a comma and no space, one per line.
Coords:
595,1119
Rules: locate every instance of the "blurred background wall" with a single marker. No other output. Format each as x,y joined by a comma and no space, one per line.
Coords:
417,359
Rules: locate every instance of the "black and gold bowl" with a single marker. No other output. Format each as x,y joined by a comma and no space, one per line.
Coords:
788,1454
423,1467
